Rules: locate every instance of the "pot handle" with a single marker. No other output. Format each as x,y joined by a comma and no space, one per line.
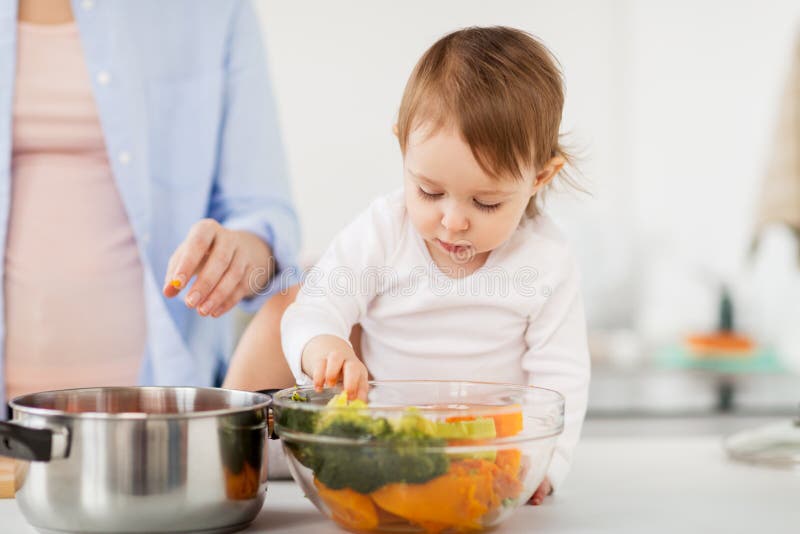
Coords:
270,414
33,444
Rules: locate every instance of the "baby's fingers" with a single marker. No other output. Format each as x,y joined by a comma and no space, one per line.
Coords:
319,374
363,388
354,378
542,491
333,370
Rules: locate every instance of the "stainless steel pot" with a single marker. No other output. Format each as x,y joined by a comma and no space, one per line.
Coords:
139,459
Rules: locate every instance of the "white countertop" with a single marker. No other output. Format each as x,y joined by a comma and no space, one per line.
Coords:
619,485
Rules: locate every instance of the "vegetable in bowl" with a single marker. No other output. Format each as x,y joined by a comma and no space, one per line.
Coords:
400,455
443,465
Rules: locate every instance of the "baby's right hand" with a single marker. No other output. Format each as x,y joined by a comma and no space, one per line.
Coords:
330,359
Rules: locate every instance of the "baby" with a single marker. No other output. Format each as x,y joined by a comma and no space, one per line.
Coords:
459,275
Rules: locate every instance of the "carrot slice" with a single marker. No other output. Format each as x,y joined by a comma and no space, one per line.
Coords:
349,508
457,499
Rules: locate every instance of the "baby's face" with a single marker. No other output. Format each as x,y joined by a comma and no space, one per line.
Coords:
460,211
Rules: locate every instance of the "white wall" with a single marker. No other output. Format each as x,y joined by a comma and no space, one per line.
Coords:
703,80
671,104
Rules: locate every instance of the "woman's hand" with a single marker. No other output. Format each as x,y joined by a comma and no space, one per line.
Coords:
329,359
544,489
223,261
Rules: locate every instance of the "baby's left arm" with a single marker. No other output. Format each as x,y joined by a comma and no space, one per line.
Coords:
557,357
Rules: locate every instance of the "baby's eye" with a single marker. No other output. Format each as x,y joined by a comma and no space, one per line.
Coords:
426,195
486,207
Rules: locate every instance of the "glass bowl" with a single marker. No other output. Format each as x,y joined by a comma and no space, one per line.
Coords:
420,456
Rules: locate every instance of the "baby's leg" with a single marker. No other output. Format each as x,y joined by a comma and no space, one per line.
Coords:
258,362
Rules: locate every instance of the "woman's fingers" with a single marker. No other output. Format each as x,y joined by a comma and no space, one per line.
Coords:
229,303
216,264
172,285
225,287
221,261
190,254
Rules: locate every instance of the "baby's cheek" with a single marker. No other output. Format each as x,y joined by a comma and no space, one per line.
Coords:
499,230
421,218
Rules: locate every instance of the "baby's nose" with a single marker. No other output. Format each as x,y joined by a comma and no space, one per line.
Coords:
454,221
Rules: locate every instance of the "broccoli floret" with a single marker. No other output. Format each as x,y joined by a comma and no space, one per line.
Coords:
298,419
397,458
392,452
298,397
349,420
407,459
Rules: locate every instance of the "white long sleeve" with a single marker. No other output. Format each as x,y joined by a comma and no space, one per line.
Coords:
337,290
557,358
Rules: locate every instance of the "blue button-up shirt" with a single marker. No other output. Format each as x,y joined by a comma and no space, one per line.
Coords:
185,104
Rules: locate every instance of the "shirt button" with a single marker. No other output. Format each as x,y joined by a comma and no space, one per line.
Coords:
87,4
103,77
124,157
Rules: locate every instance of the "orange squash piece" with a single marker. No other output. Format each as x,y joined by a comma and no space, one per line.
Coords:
457,499
349,508
508,424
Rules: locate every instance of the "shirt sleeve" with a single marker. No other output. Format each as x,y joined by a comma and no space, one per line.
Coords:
251,190
337,291
557,358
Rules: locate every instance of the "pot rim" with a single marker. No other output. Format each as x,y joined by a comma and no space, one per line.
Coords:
22,404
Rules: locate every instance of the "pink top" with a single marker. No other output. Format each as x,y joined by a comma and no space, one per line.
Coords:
73,285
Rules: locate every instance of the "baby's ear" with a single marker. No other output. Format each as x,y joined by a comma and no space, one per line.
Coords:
395,131
548,172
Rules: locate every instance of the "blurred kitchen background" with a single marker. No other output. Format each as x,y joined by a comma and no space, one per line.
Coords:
674,108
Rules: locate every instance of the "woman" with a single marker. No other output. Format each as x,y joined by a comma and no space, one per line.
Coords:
139,153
